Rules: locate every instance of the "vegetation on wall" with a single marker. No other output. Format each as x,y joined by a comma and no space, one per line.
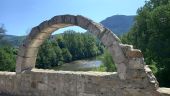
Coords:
108,64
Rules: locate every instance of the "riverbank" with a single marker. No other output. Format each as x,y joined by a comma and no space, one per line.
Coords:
80,65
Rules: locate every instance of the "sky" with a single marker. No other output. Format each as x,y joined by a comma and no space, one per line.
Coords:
19,16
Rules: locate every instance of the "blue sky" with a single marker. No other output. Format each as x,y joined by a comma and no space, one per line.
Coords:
19,16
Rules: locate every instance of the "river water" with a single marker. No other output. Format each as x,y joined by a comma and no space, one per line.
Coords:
80,65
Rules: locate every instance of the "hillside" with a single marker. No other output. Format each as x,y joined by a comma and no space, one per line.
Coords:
12,40
119,24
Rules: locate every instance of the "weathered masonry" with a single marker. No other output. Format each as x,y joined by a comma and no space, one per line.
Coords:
133,77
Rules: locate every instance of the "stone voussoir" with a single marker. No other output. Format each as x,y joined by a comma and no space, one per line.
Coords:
70,19
28,52
108,38
117,54
96,28
36,33
28,42
28,63
83,22
46,26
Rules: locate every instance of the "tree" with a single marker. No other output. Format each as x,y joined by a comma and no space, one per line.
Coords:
7,59
108,62
66,55
49,55
2,31
151,33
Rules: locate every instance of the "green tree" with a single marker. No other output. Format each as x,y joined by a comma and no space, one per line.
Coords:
66,55
2,31
7,59
151,33
108,62
49,55
7,53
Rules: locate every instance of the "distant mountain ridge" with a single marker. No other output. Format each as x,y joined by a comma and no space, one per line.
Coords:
119,24
12,40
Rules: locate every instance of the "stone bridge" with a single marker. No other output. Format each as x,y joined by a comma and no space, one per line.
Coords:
133,77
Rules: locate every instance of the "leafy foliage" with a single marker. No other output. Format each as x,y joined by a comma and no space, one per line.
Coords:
108,62
67,47
7,59
7,54
151,33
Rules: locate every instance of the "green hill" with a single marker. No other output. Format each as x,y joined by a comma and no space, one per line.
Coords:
119,24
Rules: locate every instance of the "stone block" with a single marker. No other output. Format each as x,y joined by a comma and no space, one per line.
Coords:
135,73
96,28
42,86
134,53
117,53
69,85
27,52
122,70
47,26
2,83
83,22
151,78
44,25
126,47
136,63
18,64
69,19
38,35
109,38
32,42
136,92
25,63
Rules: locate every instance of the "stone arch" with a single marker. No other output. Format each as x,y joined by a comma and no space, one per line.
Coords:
129,61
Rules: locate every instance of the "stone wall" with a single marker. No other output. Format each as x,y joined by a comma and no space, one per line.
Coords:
66,83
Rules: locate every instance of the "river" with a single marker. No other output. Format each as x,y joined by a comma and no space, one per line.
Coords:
81,65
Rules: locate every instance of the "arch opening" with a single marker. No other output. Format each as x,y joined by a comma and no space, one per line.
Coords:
70,49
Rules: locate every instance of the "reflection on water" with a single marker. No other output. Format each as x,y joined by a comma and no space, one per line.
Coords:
81,65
